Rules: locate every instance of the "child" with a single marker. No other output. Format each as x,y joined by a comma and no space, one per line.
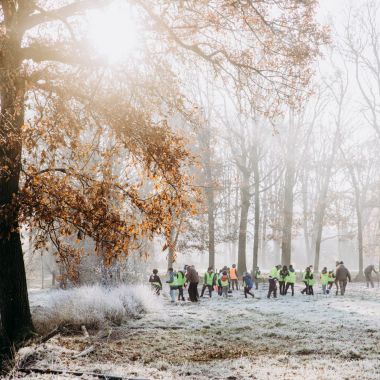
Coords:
305,279
208,282
257,277
310,282
181,282
247,284
234,277
283,274
172,284
290,280
155,282
331,281
224,283
324,280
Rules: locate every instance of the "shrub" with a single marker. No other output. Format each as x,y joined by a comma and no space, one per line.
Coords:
93,306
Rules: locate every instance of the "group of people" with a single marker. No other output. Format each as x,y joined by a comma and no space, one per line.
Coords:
221,282
286,278
226,280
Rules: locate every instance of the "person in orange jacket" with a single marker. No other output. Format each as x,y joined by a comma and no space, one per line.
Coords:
234,277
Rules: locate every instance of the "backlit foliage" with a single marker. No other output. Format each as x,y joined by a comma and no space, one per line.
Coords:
99,158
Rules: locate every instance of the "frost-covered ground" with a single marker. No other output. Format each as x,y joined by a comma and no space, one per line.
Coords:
300,337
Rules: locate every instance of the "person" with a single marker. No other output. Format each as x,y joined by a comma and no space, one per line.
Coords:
172,281
368,274
284,272
305,281
208,282
273,277
324,277
257,276
331,281
247,284
193,280
155,282
234,277
310,282
290,280
224,283
181,283
342,274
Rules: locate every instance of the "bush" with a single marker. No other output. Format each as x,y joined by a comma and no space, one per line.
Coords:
93,306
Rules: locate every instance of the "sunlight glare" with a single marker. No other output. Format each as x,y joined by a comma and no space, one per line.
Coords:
113,32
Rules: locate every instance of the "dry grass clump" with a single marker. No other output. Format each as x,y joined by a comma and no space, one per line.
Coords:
93,306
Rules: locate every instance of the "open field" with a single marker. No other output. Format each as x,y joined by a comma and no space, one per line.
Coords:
300,337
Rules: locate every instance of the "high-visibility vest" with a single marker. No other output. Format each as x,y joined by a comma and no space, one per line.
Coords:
291,278
224,282
181,279
257,274
209,277
233,275
331,277
324,278
174,281
274,273
311,280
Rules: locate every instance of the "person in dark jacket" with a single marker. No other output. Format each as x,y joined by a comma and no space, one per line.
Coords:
247,284
155,281
305,280
368,274
284,272
342,274
273,278
193,280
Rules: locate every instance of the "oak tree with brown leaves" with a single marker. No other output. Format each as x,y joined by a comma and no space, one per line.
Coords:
86,149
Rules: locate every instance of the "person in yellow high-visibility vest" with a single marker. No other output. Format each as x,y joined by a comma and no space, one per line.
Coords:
282,274
224,281
172,281
290,280
234,277
181,283
331,275
208,282
324,277
273,278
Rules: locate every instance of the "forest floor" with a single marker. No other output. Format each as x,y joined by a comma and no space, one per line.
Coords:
300,337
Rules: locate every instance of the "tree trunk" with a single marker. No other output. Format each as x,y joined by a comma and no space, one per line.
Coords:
171,254
359,216
264,235
244,194
360,240
211,227
256,174
210,208
207,153
305,223
286,246
321,204
14,304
